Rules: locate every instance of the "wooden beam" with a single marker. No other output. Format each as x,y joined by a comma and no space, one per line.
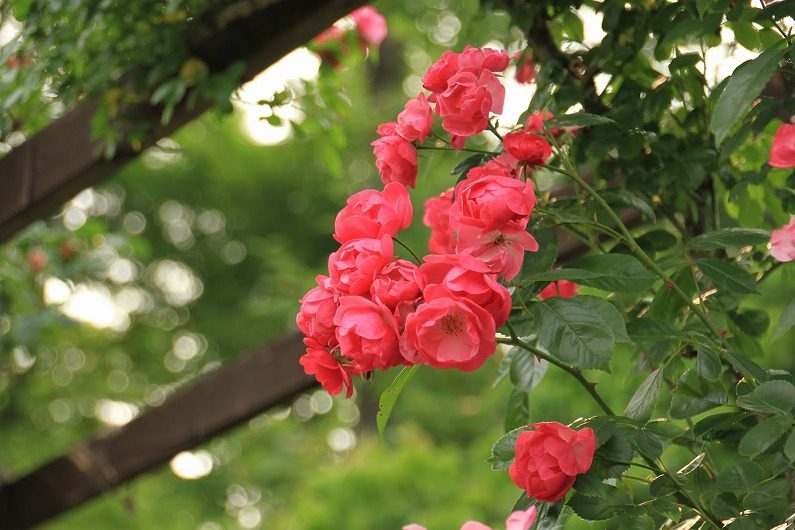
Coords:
61,160
225,398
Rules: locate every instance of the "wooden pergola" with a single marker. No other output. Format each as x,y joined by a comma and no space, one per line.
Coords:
37,177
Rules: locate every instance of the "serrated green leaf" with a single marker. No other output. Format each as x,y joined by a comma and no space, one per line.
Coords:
727,276
642,403
504,450
757,440
581,119
662,485
693,395
718,422
767,494
708,364
743,87
729,238
789,447
387,401
542,260
468,163
740,477
517,412
527,370
617,273
786,322
771,397
745,366
610,314
574,333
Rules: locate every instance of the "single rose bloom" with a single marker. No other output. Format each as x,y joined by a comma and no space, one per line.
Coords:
782,242
527,147
435,79
396,283
782,152
502,249
518,520
315,319
373,213
525,71
540,119
367,333
332,374
466,103
479,59
353,267
396,159
415,121
437,217
558,289
449,333
502,165
462,276
549,458
371,25
491,201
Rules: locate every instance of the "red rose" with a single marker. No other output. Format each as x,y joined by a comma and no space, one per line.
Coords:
502,165
373,213
437,218
371,26
466,103
415,121
353,267
367,333
316,317
558,289
501,249
396,283
435,79
396,159
328,371
549,458
527,147
449,333
782,153
491,201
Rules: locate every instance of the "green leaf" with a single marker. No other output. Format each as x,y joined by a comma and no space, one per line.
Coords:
387,401
517,413
767,494
729,238
662,486
757,440
727,276
771,397
692,465
743,87
611,502
611,315
789,447
642,403
745,366
616,273
574,333
786,322
694,395
740,477
504,450
650,329
712,426
468,163
542,260
581,119
527,370
708,364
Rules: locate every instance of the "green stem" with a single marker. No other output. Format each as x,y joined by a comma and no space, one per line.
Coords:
635,248
493,129
402,244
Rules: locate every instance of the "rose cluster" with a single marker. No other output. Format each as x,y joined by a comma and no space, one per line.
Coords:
374,310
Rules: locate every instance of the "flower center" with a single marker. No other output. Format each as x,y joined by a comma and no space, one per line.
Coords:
452,324
499,240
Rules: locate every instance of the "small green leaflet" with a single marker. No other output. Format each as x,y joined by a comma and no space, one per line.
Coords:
761,436
387,401
642,403
743,87
582,119
503,452
729,237
786,322
772,397
727,276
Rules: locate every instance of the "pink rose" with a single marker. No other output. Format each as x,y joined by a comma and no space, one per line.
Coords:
435,79
558,289
396,283
521,520
367,333
462,276
330,373
549,458
502,165
353,267
415,121
373,213
449,333
316,316
501,249
782,242
437,218
371,25
490,202
396,159
782,152
466,103
527,147
478,59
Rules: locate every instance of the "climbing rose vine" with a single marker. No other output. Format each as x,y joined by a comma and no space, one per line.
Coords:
494,282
